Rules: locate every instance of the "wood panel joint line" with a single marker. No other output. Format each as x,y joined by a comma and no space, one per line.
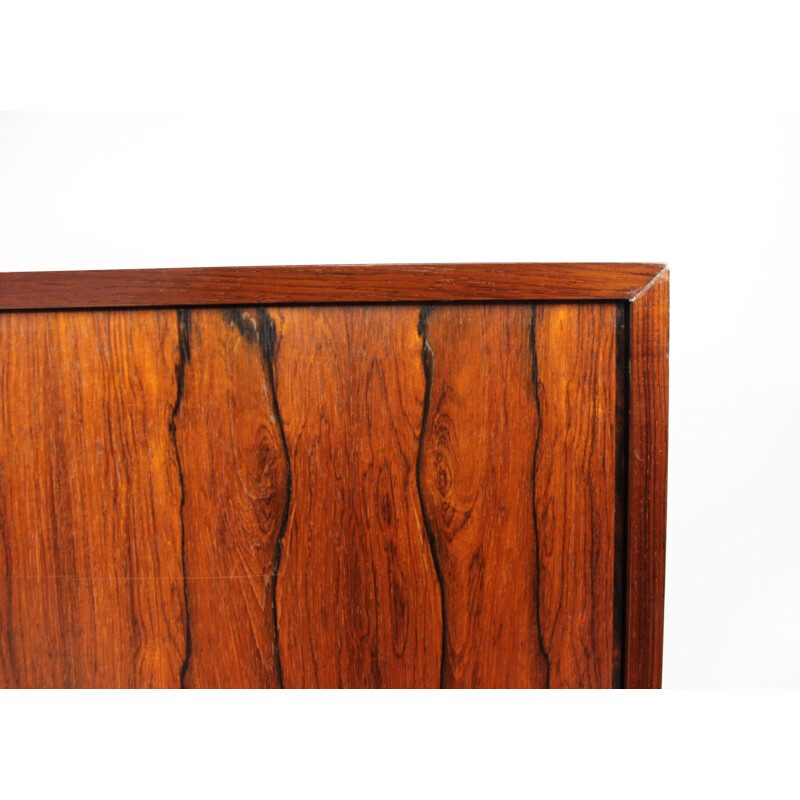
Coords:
622,422
659,276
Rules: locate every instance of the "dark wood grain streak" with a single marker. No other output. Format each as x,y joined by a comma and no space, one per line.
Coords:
357,593
574,489
476,478
91,593
361,283
647,484
517,480
235,495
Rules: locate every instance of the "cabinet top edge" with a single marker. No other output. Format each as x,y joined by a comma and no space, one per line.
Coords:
348,283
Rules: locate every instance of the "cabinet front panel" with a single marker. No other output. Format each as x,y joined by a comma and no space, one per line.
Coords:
313,496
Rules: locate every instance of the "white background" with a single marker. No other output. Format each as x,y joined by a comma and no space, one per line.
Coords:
341,132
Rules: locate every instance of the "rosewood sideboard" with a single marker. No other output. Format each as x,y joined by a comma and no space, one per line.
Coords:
429,475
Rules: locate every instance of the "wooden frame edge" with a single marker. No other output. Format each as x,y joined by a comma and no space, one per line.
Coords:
356,283
647,483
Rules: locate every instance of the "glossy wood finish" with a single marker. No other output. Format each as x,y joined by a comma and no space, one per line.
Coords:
517,478
91,587
574,490
647,484
235,481
335,495
360,283
476,478
358,600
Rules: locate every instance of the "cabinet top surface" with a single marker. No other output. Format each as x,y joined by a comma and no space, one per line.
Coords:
351,283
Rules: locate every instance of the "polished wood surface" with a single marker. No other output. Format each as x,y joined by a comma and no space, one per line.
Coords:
458,495
574,490
358,283
235,493
647,486
358,600
91,587
476,478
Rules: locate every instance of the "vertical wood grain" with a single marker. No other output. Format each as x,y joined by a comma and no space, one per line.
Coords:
574,489
235,477
366,496
90,587
358,600
647,487
517,480
476,479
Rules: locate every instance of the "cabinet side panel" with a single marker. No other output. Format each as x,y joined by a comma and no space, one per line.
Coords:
91,589
357,594
647,486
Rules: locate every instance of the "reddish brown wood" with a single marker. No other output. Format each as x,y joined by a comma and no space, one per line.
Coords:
647,487
476,481
358,600
574,489
91,593
517,479
235,478
419,283
621,492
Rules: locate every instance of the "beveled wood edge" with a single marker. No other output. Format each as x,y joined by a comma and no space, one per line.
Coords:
647,484
355,283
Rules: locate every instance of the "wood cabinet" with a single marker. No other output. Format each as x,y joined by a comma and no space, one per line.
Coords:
365,476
